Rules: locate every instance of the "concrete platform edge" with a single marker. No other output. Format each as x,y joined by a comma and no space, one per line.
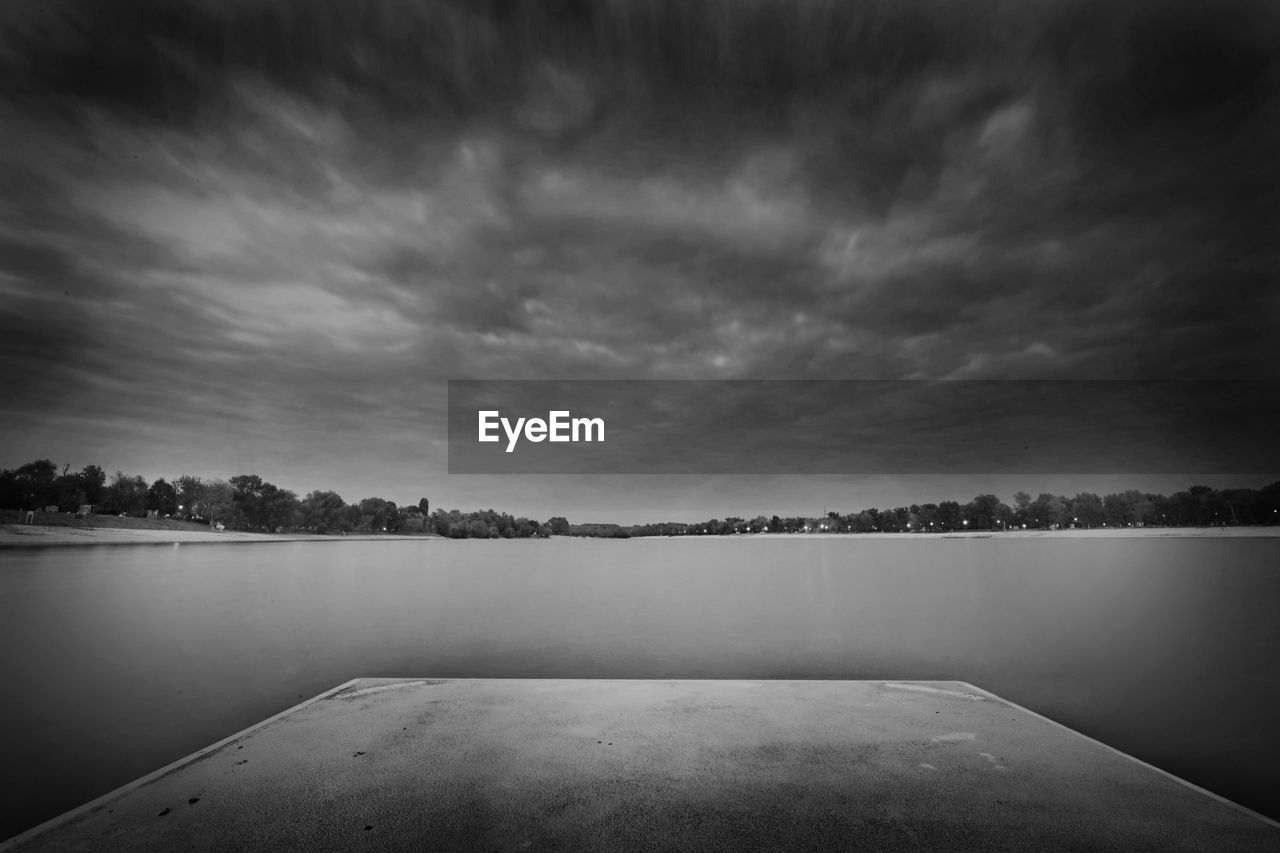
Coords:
65,817
1138,761
53,823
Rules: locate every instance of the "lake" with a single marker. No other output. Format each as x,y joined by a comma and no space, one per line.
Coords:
120,659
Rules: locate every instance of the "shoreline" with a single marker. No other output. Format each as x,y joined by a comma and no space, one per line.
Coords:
39,536
1241,532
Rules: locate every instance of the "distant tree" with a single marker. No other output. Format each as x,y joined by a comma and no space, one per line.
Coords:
69,491
863,522
984,513
31,486
126,494
188,489
218,504
281,509
163,498
324,512
376,515
92,479
248,493
410,519
928,517
1269,503
559,525
438,522
1086,510
1128,508
1058,511
606,531
264,506
424,505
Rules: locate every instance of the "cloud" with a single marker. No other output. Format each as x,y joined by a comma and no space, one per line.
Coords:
255,217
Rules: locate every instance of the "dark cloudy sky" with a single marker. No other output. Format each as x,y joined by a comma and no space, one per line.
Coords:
249,236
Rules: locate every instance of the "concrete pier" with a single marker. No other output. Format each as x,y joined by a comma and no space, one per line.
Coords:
531,764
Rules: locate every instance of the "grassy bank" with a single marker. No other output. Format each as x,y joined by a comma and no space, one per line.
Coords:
94,522
68,529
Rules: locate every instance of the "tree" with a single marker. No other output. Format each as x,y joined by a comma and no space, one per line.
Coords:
442,522
217,501
410,519
126,494
264,505
247,493
163,498
1128,508
188,489
280,509
1049,511
559,525
92,479
324,512
984,513
1058,511
950,515
377,515
1086,510
70,491
31,486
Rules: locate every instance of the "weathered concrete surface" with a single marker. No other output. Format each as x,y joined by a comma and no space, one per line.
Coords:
690,765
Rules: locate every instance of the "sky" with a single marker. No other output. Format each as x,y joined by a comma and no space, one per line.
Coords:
260,237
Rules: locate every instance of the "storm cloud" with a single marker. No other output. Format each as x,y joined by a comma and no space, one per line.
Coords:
261,236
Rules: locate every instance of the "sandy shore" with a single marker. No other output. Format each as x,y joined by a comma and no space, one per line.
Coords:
29,535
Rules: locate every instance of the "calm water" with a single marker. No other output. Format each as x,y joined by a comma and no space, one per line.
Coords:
118,660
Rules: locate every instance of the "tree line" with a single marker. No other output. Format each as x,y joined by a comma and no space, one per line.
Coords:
247,502
1198,506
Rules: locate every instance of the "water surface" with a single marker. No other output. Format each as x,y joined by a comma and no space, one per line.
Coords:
120,659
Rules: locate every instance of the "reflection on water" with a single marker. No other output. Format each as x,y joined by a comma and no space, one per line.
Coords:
121,659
